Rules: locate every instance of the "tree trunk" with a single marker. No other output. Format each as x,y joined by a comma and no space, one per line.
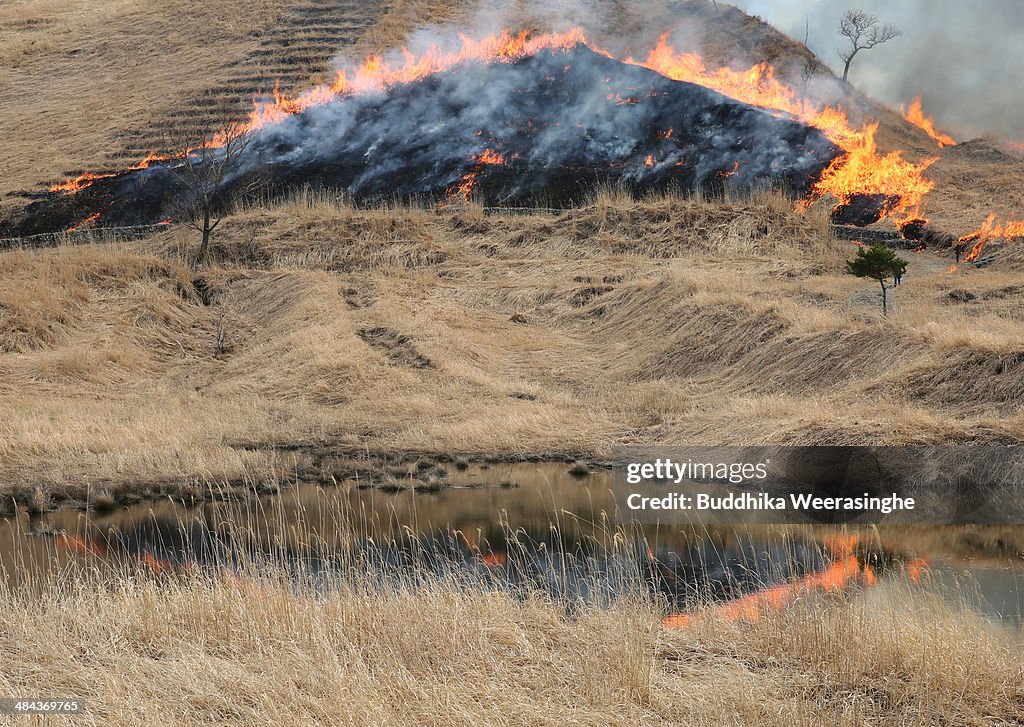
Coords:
885,307
204,247
846,69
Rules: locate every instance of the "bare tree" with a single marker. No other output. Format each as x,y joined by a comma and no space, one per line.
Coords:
202,163
807,74
864,32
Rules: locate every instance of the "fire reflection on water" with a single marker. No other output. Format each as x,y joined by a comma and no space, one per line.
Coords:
551,534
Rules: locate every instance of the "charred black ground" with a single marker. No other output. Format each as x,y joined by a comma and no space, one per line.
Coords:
545,129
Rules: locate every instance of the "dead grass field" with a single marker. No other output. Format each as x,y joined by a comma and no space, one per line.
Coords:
328,328
321,327
197,651
76,76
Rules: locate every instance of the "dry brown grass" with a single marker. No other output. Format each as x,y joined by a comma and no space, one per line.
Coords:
199,651
325,327
330,327
76,76
404,16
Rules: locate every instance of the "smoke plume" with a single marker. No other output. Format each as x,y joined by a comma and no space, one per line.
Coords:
963,58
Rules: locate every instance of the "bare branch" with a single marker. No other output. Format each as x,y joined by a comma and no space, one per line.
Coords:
864,31
201,165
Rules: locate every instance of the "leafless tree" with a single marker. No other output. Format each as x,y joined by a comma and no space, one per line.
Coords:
203,162
807,74
864,31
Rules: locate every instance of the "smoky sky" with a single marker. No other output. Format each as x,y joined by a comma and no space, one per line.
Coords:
966,59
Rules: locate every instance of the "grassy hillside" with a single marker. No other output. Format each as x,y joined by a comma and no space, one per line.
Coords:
94,85
403,329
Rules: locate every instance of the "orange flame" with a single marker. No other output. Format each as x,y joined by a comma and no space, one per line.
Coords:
87,222
464,189
79,545
863,171
490,558
489,156
86,179
915,115
841,543
991,230
376,74
494,559
837,576
756,86
71,186
915,569
157,565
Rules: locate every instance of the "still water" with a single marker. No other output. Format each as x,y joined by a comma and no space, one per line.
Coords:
525,527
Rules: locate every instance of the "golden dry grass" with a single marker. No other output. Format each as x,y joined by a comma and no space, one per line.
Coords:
201,651
76,76
324,327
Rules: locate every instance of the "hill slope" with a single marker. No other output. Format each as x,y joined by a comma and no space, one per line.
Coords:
343,331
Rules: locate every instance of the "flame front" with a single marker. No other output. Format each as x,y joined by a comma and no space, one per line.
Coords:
863,171
377,75
915,115
87,222
87,178
840,574
81,182
991,230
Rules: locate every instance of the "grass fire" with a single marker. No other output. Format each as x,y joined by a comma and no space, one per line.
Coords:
538,99
328,330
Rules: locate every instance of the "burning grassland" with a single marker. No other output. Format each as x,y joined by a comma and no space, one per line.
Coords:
520,119
866,181
975,243
916,116
544,124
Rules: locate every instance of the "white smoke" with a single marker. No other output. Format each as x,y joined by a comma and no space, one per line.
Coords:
422,138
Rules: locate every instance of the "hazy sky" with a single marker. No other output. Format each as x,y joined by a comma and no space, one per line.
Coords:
965,57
